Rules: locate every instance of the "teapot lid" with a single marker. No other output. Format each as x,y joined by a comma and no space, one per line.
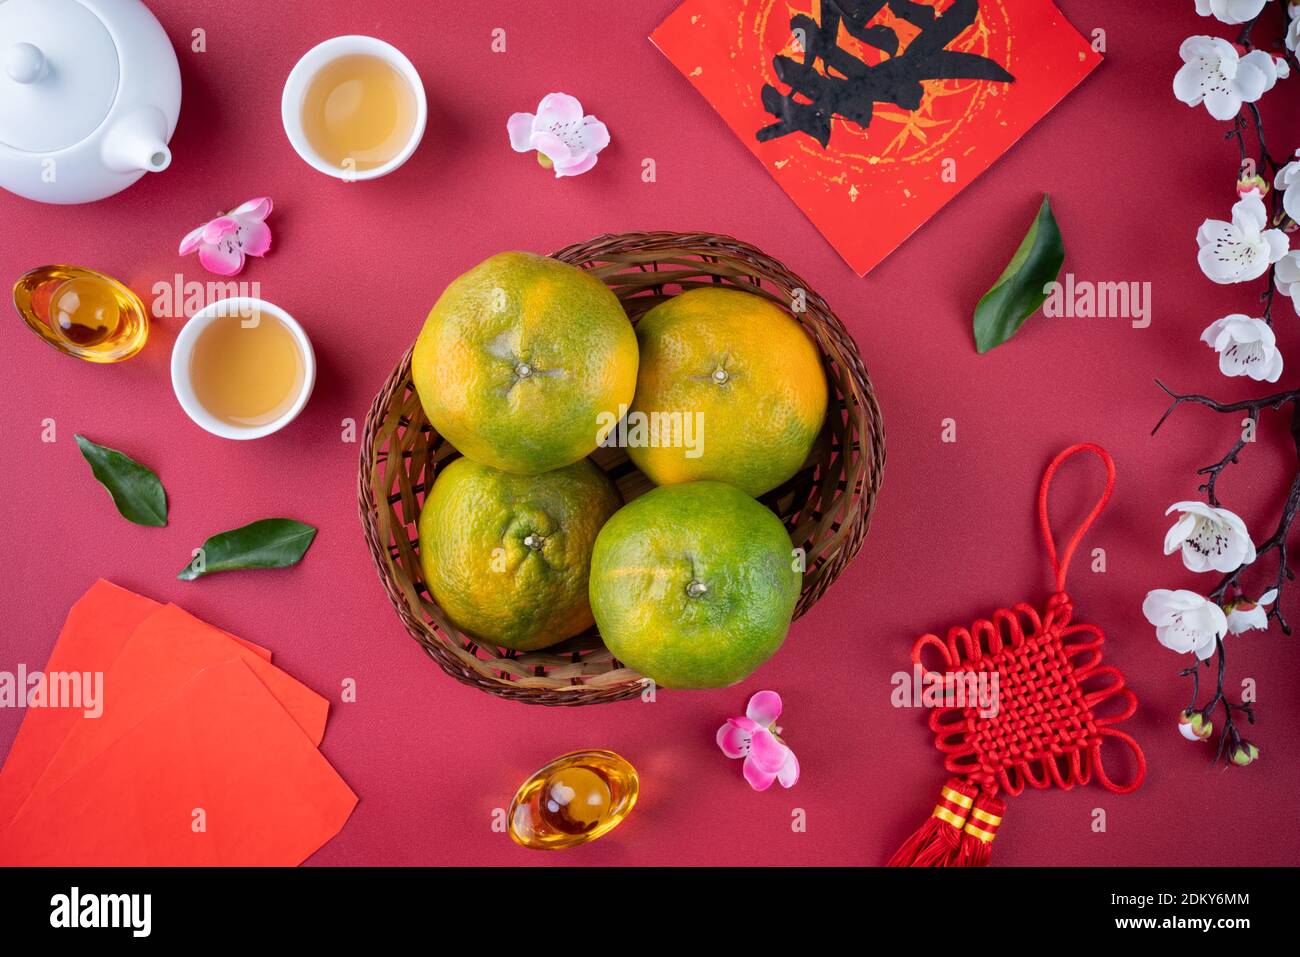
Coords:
59,73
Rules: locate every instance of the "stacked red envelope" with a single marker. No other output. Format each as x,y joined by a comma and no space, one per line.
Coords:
199,751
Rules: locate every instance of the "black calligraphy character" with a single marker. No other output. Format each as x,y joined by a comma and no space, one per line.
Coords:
849,87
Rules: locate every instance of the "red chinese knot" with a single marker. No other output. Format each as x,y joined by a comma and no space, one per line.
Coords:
1042,728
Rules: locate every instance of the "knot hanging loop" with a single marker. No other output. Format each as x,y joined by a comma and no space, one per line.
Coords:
1061,563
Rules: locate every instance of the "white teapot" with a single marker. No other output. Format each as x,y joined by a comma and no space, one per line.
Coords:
89,95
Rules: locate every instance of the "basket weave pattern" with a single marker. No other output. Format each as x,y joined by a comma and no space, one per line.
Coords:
826,507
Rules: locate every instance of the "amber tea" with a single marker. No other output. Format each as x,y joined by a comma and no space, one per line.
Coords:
247,368
359,112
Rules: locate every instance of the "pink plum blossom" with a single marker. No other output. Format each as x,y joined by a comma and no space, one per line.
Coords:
225,241
756,738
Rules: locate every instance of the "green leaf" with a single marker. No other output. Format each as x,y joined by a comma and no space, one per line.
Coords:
136,491
268,543
1021,288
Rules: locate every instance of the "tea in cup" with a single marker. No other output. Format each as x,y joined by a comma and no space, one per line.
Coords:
354,107
242,368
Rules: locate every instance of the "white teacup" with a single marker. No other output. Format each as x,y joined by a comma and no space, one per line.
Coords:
306,69
183,354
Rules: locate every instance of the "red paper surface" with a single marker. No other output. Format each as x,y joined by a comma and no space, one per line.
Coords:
222,746
870,186
167,650
93,635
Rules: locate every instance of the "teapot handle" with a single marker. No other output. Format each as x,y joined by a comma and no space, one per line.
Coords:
25,63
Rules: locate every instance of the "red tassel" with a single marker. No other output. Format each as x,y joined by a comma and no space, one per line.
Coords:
938,842
981,827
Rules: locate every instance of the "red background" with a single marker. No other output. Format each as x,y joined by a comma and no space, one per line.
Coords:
1132,173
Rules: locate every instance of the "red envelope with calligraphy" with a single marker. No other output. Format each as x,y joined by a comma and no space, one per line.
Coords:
872,114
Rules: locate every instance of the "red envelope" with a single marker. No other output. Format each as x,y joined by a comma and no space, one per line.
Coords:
873,116
166,650
95,630
219,774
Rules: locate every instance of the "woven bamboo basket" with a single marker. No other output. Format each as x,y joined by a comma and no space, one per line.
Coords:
826,507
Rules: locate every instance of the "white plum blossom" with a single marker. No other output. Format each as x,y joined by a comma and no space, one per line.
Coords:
1244,615
566,139
1242,250
1185,621
1245,346
1288,180
1211,539
1214,73
1293,31
1274,67
1287,278
1230,11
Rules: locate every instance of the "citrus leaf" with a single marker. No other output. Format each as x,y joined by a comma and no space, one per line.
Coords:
1021,288
267,543
135,490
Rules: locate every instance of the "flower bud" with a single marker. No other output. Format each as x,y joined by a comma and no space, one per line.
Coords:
1194,726
1244,753
1248,184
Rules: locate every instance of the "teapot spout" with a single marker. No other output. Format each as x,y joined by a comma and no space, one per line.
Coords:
138,141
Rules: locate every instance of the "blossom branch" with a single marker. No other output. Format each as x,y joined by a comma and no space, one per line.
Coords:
1229,80
1278,540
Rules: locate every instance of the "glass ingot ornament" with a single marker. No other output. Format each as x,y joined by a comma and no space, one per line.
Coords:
574,799
82,313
